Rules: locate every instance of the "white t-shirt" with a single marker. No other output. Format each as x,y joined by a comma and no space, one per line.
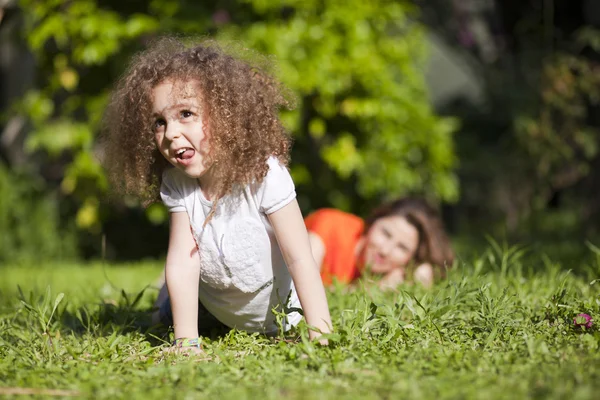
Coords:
243,275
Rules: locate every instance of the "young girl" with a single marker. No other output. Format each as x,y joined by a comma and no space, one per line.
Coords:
398,235
201,127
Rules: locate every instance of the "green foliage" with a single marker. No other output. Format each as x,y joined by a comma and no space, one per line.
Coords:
529,160
501,323
356,68
560,140
558,137
76,45
30,221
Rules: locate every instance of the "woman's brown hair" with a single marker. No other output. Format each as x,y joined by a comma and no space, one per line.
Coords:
434,246
240,102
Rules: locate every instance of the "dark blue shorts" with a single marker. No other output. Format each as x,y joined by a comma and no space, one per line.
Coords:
207,323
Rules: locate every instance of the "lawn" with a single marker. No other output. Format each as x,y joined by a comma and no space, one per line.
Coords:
500,326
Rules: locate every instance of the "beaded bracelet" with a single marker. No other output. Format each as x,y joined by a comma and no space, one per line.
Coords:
187,342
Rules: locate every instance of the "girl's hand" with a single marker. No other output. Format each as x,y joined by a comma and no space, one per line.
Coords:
188,343
186,351
186,346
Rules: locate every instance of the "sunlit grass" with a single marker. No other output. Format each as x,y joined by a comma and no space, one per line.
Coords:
500,326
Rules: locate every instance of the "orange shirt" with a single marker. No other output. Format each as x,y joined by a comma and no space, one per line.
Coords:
340,233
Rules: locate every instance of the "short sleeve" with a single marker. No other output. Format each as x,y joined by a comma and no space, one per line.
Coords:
277,188
171,192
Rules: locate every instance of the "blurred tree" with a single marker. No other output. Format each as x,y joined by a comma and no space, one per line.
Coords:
529,155
76,45
560,137
364,127
32,231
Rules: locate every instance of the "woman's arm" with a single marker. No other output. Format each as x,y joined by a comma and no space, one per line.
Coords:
293,240
182,273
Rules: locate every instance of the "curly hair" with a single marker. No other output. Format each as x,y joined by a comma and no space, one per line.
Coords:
239,100
434,246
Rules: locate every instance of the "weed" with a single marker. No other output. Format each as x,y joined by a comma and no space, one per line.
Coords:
500,326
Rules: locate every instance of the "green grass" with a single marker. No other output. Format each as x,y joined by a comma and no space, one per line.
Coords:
501,326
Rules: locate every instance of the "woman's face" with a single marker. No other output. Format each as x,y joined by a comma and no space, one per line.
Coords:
390,243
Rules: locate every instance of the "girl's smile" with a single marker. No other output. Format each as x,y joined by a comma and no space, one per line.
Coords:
179,130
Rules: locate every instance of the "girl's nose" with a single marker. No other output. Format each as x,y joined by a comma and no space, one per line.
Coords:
173,131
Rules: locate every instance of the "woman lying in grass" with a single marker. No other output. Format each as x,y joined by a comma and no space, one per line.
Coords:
401,240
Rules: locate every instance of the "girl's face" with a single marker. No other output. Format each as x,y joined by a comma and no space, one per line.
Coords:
390,243
179,132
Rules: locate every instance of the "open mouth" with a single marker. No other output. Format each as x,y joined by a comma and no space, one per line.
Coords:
185,153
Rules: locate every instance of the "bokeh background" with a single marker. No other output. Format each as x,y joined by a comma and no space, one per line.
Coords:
489,109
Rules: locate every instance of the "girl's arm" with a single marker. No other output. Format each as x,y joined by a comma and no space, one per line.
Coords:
182,273
293,240
318,249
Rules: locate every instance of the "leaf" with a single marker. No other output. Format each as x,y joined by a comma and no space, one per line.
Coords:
56,303
491,336
58,300
139,296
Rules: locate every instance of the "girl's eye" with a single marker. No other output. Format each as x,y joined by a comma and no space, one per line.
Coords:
186,114
159,123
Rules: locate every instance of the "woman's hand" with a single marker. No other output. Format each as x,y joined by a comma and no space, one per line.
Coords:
392,279
424,275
